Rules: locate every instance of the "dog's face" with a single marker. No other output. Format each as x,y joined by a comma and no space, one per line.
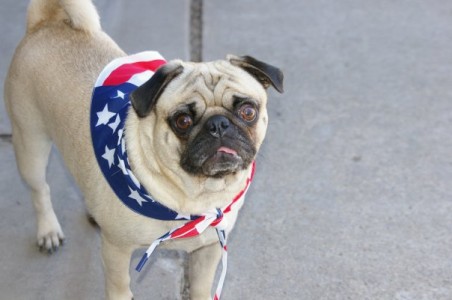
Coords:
208,119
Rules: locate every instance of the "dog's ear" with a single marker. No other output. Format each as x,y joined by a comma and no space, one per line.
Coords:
264,73
145,96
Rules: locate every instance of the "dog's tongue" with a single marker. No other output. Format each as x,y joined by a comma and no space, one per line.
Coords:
227,150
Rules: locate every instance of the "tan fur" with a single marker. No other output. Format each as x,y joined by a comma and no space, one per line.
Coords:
47,94
79,14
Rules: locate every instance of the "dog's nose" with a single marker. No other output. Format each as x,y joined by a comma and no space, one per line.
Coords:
217,125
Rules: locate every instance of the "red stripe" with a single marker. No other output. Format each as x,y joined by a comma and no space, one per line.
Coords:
184,233
253,169
240,194
188,229
124,72
218,220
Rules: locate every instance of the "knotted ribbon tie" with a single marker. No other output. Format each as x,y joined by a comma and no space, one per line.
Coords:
214,218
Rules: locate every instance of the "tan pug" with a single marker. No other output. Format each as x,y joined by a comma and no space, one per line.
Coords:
191,134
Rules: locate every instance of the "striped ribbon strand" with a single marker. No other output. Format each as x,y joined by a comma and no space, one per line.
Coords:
224,262
191,229
197,226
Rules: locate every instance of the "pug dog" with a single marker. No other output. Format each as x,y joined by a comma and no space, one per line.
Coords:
189,136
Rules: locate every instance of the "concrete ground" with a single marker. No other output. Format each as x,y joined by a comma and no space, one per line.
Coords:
352,197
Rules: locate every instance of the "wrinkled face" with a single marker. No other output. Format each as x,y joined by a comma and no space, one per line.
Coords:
216,114
205,119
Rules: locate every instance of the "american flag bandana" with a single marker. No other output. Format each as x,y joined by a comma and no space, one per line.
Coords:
109,109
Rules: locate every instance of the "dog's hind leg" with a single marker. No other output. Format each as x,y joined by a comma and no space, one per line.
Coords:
32,148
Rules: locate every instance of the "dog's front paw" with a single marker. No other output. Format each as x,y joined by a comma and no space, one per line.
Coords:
50,235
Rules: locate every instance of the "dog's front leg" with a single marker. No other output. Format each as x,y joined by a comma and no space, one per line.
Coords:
116,261
202,266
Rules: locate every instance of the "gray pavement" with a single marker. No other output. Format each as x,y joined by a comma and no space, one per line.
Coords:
352,197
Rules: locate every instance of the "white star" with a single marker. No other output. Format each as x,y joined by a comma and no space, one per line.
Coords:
135,196
134,179
115,124
122,166
120,131
104,116
123,147
109,156
120,94
182,216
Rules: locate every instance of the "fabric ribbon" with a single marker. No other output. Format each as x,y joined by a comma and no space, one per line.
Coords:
214,218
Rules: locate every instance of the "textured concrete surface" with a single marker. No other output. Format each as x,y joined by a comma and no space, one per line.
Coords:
352,197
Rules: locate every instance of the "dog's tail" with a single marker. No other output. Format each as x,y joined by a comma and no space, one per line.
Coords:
79,14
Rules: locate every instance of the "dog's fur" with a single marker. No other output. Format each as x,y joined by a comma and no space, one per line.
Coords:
47,94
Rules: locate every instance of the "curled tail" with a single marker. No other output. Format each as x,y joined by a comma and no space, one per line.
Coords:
80,14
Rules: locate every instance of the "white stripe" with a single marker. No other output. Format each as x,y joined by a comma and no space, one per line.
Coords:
114,64
201,226
140,78
153,246
224,261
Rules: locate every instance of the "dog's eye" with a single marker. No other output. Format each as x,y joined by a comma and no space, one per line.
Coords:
183,122
248,112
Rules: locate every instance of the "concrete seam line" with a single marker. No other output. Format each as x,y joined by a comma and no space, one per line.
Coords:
186,283
6,137
196,28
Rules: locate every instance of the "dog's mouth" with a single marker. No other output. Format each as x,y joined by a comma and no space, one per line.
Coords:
223,162
226,150
212,156
217,161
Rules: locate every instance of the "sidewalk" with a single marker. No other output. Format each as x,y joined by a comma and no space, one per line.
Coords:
352,196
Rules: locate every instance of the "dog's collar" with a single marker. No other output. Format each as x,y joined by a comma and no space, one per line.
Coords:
109,108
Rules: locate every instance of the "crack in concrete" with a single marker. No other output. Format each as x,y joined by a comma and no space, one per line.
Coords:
6,137
196,27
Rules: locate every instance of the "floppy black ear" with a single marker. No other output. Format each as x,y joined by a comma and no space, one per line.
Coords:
264,73
145,96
